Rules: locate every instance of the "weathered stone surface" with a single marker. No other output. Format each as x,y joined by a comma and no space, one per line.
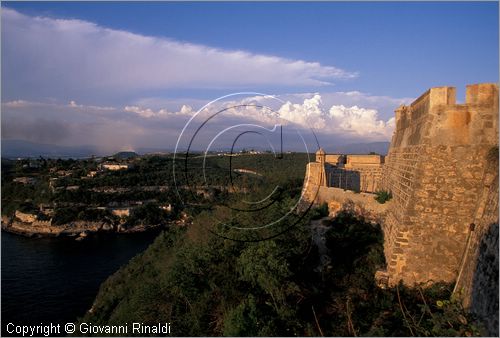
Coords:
477,282
362,204
351,172
435,170
439,170
440,173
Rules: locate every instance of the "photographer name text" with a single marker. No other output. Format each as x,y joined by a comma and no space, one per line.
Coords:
87,328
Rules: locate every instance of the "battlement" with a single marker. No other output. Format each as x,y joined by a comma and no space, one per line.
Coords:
349,159
363,160
435,118
435,169
443,176
482,94
334,159
351,172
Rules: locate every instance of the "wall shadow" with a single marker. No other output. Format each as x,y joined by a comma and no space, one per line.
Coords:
484,293
343,179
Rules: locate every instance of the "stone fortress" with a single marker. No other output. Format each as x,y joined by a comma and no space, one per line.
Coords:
351,172
442,171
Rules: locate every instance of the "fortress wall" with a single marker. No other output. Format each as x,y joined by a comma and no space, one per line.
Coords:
434,170
360,173
442,177
357,178
477,282
370,177
428,235
334,158
312,182
361,204
314,174
354,160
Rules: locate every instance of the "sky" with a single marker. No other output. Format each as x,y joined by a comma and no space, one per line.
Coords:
126,75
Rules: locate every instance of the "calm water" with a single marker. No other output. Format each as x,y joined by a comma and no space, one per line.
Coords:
56,279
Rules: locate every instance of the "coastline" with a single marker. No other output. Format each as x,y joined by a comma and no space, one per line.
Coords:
78,229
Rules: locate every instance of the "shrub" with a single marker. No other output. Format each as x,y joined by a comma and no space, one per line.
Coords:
383,196
96,215
492,155
150,214
65,215
319,212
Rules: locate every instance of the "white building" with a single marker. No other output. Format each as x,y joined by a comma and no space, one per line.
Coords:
121,212
25,217
115,166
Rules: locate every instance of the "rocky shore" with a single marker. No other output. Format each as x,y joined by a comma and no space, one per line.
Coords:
78,229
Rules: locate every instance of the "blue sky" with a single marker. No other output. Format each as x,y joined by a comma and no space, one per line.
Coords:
383,54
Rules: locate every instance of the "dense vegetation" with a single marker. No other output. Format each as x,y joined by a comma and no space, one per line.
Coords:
241,268
205,284
149,179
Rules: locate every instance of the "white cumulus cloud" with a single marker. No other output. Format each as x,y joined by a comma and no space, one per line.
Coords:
160,125
73,104
148,112
338,119
358,120
309,113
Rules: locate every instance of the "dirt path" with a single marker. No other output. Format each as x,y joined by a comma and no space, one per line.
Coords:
318,233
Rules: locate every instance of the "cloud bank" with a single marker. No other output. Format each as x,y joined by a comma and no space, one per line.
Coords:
51,66
142,126
68,56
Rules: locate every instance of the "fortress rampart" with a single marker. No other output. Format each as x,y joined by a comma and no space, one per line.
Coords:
435,170
477,281
442,170
361,173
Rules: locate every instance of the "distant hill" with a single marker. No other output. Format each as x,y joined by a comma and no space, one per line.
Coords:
360,148
149,150
21,148
125,154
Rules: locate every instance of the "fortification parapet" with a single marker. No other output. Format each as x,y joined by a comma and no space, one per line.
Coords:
483,94
435,171
364,160
442,171
335,159
439,96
